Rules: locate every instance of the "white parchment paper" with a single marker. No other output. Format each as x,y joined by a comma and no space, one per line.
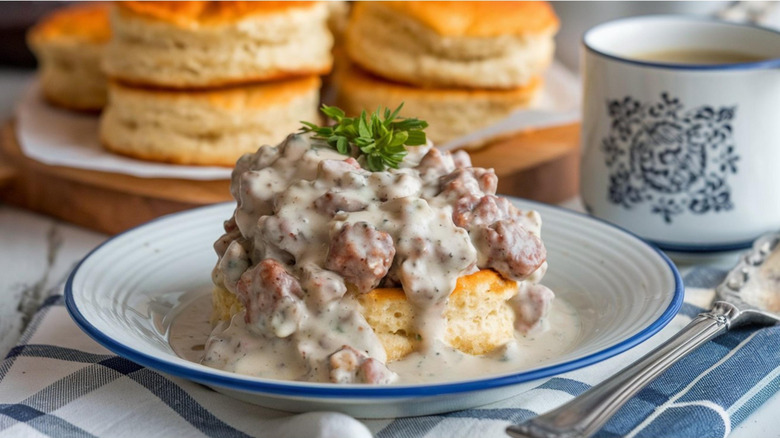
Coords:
64,138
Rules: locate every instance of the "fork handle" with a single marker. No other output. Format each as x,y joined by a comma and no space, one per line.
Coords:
586,414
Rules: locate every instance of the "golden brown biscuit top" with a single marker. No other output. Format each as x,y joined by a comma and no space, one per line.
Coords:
86,22
475,18
190,14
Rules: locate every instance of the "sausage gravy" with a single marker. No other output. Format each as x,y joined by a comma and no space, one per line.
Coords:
312,229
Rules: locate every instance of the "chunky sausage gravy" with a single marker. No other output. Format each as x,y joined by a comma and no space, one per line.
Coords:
312,229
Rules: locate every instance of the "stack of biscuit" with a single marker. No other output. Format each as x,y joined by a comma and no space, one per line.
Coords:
460,66
193,82
205,82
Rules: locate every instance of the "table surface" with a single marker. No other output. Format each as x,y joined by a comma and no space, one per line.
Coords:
37,253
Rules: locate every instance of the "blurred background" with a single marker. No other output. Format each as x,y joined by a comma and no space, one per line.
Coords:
576,17
525,162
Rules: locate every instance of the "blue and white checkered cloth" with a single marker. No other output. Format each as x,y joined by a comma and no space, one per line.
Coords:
58,382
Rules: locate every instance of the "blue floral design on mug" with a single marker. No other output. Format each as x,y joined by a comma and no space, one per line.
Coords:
677,160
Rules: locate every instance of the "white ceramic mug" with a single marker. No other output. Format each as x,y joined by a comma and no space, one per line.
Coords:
686,156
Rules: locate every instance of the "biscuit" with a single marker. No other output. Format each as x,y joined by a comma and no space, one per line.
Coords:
210,127
211,44
69,44
478,317
450,112
453,44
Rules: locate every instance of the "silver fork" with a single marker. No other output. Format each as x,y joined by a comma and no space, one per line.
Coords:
586,414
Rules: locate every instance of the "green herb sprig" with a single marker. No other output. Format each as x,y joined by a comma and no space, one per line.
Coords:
381,140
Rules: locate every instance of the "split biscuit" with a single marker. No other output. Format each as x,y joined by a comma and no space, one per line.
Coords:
209,127
450,112
478,317
69,44
195,44
453,44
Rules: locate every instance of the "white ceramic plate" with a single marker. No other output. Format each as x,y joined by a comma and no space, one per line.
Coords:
124,292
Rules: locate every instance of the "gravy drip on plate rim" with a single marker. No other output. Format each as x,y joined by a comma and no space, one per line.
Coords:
313,229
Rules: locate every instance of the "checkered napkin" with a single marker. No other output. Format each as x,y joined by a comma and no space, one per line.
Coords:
58,382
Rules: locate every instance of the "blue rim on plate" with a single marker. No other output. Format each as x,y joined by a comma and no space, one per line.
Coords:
702,249
329,390
755,65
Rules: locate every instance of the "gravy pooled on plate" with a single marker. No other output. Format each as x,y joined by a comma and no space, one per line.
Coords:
314,234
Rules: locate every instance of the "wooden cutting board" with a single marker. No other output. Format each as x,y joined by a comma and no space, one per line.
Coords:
102,201
542,165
